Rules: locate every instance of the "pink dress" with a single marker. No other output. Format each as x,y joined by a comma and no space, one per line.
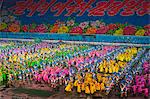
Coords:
97,54
39,77
140,89
66,71
146,91
45,77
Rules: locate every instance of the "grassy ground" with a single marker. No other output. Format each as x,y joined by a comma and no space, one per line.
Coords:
33,92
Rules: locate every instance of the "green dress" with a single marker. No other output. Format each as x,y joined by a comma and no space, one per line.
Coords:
4,76
33,63
1,77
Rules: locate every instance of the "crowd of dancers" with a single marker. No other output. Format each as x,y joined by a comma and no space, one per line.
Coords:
85,68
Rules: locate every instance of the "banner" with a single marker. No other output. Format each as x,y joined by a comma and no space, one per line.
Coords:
76,16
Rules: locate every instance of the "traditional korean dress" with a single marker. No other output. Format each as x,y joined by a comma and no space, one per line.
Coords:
102,86
83,87
110,70
75,83
101,69
92,88
79,88
87,90
1,77
106,69
98,86
68,87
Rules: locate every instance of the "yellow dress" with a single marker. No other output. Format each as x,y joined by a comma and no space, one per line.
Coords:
113,62
10,59
106,80
117,57
101,64
89,79
68,88
87,90
15,58
124,64
106,70
117,64
75,83
79,88
114,69
102,86
91,89
135,50
27,57
79,77
128,58
121,57
94,86
103,79
99,78
117,69
98,86
89,75
110,70
101,69
104,62
83,87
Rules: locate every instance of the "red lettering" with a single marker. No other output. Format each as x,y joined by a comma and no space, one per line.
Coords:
130,6
45,7
71,9
115,8
60,7
84,6
112,7
100,8
33,8
74,7
144,8
20,7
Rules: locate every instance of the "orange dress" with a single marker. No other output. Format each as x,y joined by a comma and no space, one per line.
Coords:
98,87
